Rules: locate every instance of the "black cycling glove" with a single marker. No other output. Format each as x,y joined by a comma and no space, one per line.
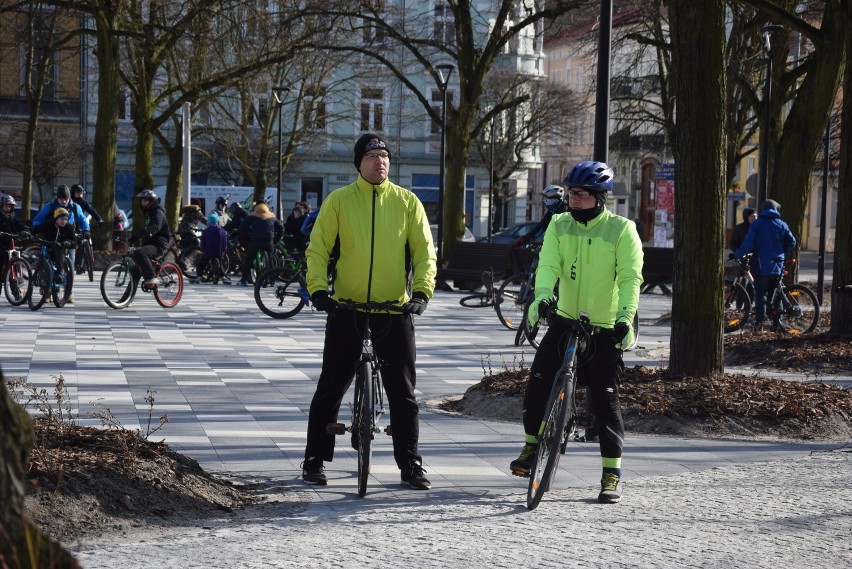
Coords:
323,302
417,304
619,331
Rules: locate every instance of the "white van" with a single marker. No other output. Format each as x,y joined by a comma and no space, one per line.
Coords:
205,196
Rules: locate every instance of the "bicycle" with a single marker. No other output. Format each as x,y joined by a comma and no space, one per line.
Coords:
185,258
736,297
369,395
517,291
16,274
45,282
85,256
489,297
119,282
793,308
281,292
560,416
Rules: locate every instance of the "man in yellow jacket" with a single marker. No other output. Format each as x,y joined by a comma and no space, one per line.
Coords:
378,231
596,257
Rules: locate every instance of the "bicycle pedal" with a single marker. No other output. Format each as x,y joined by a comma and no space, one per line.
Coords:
520,473
389,431
335,428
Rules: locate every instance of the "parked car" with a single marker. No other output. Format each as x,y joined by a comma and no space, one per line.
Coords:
515,232
468,234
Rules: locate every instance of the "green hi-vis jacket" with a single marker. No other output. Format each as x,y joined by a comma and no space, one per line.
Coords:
377,226
598,265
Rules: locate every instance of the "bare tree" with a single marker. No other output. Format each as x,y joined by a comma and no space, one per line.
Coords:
54,150
841,292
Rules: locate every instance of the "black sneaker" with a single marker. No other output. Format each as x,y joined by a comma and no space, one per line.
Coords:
415,476
313,471
522,465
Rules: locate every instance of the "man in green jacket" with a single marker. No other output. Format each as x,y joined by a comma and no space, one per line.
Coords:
596,257
380,230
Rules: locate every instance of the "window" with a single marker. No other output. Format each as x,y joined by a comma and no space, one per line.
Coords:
374,34
437,100
315,113
372,108
126,106
44,66
443,25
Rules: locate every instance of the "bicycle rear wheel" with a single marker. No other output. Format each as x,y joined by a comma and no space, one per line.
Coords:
510,301
170,288
41,283
559,410
362,426
62,291
118,286
16,282
737,307
478,300
799,310
278,292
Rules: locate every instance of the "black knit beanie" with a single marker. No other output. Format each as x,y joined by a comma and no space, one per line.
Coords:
366,143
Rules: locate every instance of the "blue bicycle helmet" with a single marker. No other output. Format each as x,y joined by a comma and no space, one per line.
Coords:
590,175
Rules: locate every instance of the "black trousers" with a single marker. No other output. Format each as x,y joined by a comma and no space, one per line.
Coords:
599,370
393,343
143,256
251,252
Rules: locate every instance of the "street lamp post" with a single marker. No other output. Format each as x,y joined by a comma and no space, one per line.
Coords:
279,93
763,175
601,149
444,72
491,183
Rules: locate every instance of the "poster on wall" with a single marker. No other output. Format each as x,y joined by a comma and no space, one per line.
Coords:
664,214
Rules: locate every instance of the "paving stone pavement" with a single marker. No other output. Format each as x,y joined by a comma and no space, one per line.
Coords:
237,385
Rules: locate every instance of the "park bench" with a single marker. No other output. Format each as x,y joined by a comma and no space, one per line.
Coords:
467,261
657,269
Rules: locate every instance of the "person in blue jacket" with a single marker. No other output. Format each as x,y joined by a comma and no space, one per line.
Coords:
768,239
76,219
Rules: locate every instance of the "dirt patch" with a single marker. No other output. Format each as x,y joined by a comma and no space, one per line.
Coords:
733,405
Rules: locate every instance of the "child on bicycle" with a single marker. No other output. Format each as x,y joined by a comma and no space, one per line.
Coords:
214,243
596,257
61,234
261,229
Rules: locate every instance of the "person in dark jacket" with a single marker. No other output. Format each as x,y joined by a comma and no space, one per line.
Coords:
768,239
9,224
261,229
293,237
152,236
740,231
78,194
61,234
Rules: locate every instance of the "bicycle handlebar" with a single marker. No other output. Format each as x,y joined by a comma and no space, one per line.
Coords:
386,306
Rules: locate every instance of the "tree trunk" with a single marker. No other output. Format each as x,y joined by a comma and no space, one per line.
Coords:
698,46
106,127
841,291
21,543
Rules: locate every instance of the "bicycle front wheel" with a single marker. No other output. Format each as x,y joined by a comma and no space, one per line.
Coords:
88,259
799,310
477,300
510,301
16,281
277,292
559,410
41,285
118,286
362,426
62,291
737,307
170,288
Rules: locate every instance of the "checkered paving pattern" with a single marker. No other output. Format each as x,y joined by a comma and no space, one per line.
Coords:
236,386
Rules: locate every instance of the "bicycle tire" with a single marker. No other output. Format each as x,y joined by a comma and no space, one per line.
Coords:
534,334
363,424
62,291
736,307
225,263
477,300
276,292
510,301
89,259
800,310
170,289
118,285
42,282
550,437
17,281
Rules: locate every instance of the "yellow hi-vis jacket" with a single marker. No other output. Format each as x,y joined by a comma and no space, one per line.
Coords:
377,225
598,265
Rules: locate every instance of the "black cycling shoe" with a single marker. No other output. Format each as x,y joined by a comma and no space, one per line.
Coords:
522,465
415,476
313,471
